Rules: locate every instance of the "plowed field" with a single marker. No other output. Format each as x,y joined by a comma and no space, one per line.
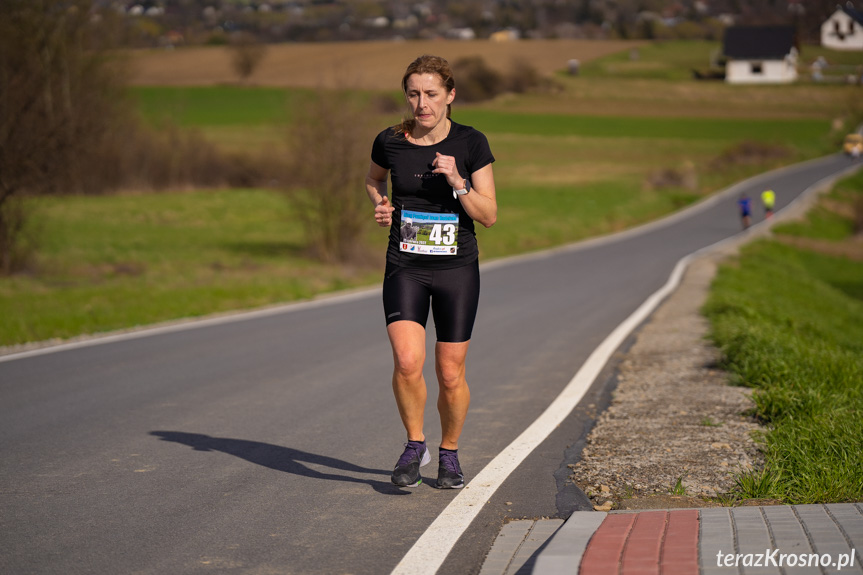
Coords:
365,65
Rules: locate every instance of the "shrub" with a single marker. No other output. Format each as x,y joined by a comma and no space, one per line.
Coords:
246,54
476,81
328,160
522,77
16,245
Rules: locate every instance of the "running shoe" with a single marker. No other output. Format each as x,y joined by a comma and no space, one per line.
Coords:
449,475
407,471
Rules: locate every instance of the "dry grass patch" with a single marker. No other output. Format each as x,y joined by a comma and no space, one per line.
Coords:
367,65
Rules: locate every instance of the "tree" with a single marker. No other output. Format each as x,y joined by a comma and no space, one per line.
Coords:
246,54
330,142
60,96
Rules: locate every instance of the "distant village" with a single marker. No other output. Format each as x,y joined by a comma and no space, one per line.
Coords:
173,23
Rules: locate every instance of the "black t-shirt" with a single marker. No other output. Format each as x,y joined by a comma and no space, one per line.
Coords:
416,189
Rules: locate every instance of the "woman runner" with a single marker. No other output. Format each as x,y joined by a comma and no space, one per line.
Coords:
442,181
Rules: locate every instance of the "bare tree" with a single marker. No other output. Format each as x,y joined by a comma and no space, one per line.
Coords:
246,54
329,156
60,94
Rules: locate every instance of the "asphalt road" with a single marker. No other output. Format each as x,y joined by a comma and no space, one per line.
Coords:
264,445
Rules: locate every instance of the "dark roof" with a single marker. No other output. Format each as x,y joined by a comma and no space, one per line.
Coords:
856,15
758,42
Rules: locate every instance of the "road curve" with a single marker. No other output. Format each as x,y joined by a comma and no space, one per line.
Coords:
264,444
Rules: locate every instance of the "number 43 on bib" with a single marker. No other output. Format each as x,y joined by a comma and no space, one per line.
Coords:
429,234
443,234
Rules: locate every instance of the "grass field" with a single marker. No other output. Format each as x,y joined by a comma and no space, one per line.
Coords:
575,162
112,262
790,324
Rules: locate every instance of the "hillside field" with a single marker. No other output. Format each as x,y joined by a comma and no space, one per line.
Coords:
600,152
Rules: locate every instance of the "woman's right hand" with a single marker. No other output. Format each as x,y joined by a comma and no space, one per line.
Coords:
384,213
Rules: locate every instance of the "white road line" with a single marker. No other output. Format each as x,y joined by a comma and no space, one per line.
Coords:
431,549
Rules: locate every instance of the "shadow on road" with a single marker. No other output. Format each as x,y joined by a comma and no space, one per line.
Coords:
281,458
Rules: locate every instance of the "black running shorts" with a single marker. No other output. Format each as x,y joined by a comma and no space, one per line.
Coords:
452,294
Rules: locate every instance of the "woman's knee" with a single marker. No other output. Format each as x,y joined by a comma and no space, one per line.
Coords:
408,363
409,351
450,374
450,361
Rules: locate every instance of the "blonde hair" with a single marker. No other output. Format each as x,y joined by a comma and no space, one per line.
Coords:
426,64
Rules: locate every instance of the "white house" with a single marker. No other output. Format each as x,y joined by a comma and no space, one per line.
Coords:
843,30
760,55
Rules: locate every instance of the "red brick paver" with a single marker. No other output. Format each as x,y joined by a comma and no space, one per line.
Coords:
680,548
602,555
641,554
645,543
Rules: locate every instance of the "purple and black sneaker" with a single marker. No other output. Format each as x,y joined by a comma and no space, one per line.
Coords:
407,471
449,475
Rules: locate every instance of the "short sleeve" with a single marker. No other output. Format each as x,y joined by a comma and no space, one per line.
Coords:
379,152
479,152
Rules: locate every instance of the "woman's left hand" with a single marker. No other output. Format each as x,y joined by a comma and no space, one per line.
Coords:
446,165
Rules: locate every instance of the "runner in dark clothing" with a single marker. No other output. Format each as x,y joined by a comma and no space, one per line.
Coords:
745,205
442,182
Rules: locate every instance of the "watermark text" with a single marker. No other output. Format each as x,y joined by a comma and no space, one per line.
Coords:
775,558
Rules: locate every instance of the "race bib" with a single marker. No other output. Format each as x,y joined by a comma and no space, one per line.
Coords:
429,234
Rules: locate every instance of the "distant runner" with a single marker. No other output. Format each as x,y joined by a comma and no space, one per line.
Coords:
745,205
768,199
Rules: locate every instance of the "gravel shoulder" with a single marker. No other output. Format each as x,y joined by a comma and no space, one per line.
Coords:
676,432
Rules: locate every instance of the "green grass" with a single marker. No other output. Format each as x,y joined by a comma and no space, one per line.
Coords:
226,106
205,106
533,218
658,60
823,223
809,54
112,262
679,488
790,324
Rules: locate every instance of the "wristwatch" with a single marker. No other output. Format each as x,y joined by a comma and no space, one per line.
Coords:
456,193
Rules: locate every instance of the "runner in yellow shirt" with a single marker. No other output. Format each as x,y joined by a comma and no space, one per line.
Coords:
768,200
